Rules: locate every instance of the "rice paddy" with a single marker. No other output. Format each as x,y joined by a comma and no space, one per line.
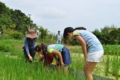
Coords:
14,67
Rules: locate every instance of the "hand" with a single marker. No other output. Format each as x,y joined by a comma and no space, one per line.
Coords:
41,57
30,57
62,64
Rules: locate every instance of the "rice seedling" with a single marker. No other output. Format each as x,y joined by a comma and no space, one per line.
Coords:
14,67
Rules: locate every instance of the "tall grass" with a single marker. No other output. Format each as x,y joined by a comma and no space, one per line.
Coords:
17,69
13,67
107,67
112,61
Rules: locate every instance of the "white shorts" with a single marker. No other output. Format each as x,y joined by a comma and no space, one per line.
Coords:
95,56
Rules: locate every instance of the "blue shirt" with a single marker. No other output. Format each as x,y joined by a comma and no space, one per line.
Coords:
29,44
93,44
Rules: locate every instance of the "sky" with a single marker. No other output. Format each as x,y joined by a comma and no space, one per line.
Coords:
56,15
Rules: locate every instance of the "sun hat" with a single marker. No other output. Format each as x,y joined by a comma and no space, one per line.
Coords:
31,34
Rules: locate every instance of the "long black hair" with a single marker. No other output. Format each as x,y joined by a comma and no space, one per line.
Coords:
70,29
42,47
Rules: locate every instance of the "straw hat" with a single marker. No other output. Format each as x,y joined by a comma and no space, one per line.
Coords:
31,34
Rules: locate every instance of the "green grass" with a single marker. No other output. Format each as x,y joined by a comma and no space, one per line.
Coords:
13,67
16,69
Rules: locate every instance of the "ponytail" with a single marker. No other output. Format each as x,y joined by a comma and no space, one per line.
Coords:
44,48
70,29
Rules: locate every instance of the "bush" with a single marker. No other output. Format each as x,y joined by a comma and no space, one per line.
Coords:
16,35
5,47
5,36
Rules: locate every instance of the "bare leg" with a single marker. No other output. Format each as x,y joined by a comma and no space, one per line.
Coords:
88,69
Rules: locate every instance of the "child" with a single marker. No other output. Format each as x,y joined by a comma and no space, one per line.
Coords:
49,57
91,46
60,53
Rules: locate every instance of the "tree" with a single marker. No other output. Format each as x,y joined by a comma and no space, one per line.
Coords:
108,35
43,32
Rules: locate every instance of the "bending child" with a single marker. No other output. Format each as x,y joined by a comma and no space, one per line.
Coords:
60,53
91,46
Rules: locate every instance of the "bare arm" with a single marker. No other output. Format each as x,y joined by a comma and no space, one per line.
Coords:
83,43
55,52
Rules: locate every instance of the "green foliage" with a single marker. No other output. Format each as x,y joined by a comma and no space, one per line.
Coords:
20,23
14,20
107,68
5,36
11,64
5,47
111,49
16,35
115,66
42,33
108,35
13,46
